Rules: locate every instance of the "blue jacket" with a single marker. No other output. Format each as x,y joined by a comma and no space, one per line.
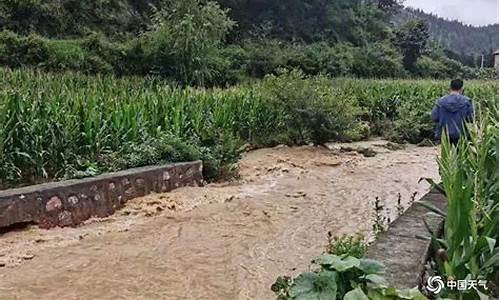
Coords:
451,112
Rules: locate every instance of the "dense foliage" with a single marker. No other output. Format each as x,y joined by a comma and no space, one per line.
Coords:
118,19
76,18
353,21
465,42
207,43
66,125
185,41
412,39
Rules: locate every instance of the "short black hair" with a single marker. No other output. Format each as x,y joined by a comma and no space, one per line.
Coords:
456,84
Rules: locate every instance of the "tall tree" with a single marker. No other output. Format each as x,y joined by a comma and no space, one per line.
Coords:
389,4
354,21
412,39
186,39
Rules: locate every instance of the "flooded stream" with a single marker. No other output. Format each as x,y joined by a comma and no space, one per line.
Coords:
222,241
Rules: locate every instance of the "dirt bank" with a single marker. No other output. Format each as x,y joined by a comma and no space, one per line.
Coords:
222,241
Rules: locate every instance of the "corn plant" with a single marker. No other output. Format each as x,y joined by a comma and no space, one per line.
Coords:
55,125
469,171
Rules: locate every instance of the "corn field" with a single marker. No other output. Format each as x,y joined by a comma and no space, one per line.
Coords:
53,126
469,247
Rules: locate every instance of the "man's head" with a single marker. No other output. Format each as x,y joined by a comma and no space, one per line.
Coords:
457,85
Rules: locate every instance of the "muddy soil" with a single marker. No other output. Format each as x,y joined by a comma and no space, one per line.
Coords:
222,241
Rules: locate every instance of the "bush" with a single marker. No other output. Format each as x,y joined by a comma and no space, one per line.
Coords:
185,41
65,55
237,59
16,51
93,54
102,56
413,123
377,60
220,160
441,67
190,59
76,18
150,150
485,74
313,111
263,58
320,58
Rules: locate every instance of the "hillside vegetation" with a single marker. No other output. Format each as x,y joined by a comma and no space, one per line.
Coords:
466,42
75,18
205,43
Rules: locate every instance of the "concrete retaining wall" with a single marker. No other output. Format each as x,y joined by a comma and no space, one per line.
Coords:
68,203
400,251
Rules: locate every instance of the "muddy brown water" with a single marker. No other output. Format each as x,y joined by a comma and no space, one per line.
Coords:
222,241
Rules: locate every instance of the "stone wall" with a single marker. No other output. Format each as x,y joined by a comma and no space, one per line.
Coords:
399,249
68,203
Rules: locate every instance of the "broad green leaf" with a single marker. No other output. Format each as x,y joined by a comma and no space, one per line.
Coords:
328,281
346,264
326,259
356,294
371,266
338,263
303,284
377,280
315,286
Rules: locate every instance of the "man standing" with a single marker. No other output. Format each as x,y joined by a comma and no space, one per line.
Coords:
452,111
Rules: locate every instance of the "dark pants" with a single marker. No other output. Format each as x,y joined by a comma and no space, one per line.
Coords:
453,141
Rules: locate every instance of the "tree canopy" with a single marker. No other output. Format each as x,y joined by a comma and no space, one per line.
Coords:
203,42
